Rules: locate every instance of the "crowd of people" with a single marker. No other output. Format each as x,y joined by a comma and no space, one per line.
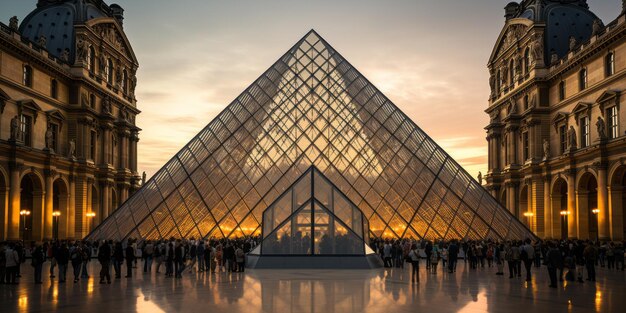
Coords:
571,258
564,260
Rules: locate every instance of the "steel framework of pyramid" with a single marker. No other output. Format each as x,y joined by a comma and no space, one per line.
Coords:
311,108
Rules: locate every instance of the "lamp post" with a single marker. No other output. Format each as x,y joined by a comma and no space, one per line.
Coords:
529,215
595,214
23,214
55,224
90,215
564,215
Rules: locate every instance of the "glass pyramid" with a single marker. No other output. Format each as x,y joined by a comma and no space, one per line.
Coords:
313,217
311,108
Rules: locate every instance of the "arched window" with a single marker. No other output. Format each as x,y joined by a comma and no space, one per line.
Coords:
512,72
125,81
27,77
527,61
54,92
109,73
582,79
91,59
610,64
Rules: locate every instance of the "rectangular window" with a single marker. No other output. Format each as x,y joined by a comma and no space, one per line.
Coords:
583,79
562,91
526,146
613,122
26,129
92,146
563,138
584,132
610,64
54,89
55,136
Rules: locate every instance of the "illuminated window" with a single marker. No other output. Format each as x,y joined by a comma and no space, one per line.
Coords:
563,138
27,76
610,64
613,122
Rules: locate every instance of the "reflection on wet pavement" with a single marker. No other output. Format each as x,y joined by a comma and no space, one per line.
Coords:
326,291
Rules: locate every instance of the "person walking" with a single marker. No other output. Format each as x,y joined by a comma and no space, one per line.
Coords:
415,264
63,259
240,258
200,256
85,254
590,254
148,255
118,259
77,260
104,257
453,254
52,255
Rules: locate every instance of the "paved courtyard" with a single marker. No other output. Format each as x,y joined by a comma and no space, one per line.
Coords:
324,291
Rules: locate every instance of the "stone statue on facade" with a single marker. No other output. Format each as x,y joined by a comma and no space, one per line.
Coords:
15,128
512,107
596,28
571,138
118,76
123,115
572,43
106,105
103,64
71,151
49,136
143,178
13,23
601,128
65,55
537,48
492,84
133,84
82,49
504,72
546,149
42,41
554,58
480,178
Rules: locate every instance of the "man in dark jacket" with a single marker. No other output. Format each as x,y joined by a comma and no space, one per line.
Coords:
453,253
104,257
63,258
130,259
554,260
38,258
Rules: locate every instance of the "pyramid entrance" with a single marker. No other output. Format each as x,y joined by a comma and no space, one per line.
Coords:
312,108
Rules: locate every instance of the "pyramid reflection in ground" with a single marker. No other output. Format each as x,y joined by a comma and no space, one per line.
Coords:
313,225
311,108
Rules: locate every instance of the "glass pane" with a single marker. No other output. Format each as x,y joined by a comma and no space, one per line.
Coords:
302,191
279,242
301,221
321,229
342,208
323,191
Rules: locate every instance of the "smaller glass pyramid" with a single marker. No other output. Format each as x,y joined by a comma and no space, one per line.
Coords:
313,217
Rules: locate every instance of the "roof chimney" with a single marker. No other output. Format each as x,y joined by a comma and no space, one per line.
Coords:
118,13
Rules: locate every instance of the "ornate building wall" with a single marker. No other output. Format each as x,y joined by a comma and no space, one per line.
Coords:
68,137
556,140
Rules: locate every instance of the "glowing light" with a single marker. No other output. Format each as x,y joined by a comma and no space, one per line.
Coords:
24,212
529,214
56,213
91,214
563,213
595,211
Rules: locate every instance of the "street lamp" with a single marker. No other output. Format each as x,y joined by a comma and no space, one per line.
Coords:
529,215
55,224
564,215
90,215
595,213
23,214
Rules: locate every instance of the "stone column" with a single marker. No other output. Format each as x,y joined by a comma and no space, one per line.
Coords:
13,227
572,218
616,215
106,203
4,212
71,210
49,205
37,215
548,210
106,144
604,231
511,196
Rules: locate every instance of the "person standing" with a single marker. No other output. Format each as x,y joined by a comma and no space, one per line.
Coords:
148,254
130,259
118,259
240,258
85,255
453,254
63,259
52,255
554,260
200,257
77,260
38,258
527,255
590,254
12,262
104,257
414,256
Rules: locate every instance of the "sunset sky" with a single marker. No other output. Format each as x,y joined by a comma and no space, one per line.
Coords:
196,56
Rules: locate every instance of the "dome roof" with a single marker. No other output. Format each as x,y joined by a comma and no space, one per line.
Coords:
563,19
55,19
